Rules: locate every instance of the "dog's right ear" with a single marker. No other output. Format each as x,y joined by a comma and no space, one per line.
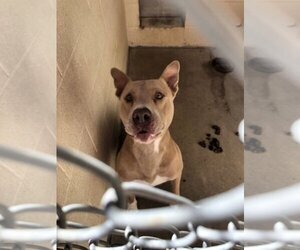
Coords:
171,76
120,80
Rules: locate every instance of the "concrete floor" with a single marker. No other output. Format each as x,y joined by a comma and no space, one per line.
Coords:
208,109
272,158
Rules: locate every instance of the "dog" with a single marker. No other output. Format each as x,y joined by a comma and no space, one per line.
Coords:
146,108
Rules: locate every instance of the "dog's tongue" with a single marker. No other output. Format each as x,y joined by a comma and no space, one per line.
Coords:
143,135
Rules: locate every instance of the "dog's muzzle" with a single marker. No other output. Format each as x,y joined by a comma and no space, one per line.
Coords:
143,124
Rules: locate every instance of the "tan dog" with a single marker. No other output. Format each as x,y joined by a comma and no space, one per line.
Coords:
149,154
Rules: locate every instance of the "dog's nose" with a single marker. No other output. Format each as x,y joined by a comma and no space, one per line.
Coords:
141,116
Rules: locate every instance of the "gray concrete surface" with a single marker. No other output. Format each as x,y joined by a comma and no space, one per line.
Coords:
272,158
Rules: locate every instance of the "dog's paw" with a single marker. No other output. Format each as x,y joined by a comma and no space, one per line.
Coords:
133,205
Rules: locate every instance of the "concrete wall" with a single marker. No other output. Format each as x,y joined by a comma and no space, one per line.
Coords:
187,36
91,38
27,99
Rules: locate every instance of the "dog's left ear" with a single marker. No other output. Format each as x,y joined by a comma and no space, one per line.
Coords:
171,76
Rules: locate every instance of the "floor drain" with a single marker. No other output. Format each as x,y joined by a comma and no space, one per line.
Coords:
221,65
264,65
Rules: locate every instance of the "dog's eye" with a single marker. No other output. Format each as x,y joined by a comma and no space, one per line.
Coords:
158,96
129,98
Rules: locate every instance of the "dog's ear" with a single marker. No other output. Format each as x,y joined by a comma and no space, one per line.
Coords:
171,76
120,80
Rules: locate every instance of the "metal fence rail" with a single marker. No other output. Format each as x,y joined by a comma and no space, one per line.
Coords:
182,213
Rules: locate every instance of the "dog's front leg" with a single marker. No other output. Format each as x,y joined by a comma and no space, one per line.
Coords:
132,203
175,185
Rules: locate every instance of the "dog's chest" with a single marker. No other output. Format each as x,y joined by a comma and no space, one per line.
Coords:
149,164
159,180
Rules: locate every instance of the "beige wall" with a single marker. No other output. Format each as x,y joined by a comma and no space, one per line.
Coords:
188,36
91,39
27,98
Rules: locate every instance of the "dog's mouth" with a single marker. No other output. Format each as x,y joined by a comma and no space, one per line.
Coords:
143,132
146,135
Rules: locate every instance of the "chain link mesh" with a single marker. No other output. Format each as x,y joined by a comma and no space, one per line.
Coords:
183,219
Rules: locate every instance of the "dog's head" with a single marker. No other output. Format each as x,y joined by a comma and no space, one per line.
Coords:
146,106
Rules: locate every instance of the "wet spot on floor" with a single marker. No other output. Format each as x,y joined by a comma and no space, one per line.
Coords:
212,143
217,87
216,129
226,107
237,133
253,145
202,144
257,130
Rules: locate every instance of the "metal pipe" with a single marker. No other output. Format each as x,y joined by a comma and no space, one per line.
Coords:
150,192
29,157
211,209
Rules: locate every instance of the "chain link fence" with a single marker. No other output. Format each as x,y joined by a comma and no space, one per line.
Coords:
184,219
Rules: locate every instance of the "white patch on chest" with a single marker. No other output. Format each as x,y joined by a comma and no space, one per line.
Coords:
159,180
156,145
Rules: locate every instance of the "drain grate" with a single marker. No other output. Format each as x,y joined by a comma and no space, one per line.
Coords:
264,65
221,65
